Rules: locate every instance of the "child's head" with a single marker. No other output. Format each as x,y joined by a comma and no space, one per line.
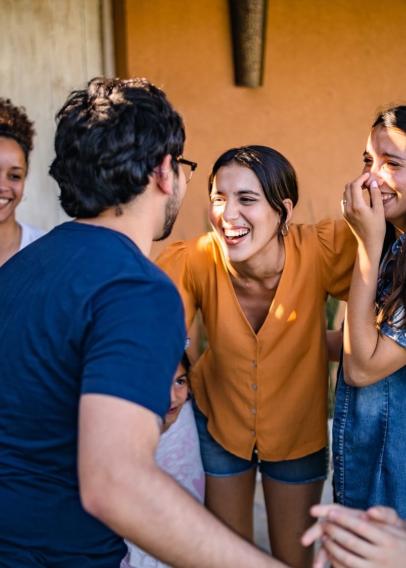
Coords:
179,392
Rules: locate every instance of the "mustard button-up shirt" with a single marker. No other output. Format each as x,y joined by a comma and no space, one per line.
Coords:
267,389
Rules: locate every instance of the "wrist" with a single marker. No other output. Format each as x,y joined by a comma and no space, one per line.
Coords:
371,248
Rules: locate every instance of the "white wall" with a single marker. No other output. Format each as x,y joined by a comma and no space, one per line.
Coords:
47,49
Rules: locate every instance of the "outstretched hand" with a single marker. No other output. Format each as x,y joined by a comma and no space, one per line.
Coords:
366,220
357,539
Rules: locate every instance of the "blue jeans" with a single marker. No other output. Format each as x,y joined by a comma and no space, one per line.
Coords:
369,443
218,462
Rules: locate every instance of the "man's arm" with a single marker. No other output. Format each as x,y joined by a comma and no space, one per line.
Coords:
121,485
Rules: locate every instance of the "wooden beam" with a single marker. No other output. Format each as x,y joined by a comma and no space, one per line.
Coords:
248,26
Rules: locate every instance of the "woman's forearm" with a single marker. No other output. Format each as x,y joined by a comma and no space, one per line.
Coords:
360,333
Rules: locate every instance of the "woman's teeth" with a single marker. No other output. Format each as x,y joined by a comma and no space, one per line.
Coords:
235,233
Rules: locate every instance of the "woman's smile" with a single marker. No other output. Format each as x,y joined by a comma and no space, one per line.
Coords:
241,215
235,235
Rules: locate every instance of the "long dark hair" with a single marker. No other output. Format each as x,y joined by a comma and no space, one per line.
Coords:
394,117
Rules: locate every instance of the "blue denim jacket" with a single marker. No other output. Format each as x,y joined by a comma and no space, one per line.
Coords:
369,428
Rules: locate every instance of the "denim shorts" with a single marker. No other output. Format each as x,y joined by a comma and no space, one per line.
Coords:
218,462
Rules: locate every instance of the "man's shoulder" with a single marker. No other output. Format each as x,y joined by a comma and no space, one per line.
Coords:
81,262
103,252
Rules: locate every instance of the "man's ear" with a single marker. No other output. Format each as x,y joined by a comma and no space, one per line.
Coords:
164,175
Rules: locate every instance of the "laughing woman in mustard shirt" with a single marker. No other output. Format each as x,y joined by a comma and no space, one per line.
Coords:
260,387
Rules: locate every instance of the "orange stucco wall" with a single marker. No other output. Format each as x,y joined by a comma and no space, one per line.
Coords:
328,67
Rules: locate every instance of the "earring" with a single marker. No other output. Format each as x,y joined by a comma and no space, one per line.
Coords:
284,229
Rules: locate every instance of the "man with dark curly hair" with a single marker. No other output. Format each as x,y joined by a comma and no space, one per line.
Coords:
91,333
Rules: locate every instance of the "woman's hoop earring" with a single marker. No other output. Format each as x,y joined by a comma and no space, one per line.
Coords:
284,229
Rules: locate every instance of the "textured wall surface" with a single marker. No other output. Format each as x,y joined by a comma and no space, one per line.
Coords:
48,48
328,67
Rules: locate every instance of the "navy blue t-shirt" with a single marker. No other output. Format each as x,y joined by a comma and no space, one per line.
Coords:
82,310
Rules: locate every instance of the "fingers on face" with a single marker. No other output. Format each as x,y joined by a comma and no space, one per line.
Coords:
353,196
376,196
357,196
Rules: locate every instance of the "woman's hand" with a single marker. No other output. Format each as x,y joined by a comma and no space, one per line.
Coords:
366,220
357,539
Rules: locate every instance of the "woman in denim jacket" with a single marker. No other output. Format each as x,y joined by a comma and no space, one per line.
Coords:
369,432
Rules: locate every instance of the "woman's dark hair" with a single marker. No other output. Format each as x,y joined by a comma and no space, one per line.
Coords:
395,118
274,172
109,139
15,124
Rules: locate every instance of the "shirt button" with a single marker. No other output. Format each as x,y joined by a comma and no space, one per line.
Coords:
254,364
338,493
254,387
253,432
253,410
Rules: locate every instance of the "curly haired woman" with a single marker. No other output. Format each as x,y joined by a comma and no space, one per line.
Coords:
16,134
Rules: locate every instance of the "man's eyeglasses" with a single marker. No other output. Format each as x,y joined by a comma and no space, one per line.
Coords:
188,167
